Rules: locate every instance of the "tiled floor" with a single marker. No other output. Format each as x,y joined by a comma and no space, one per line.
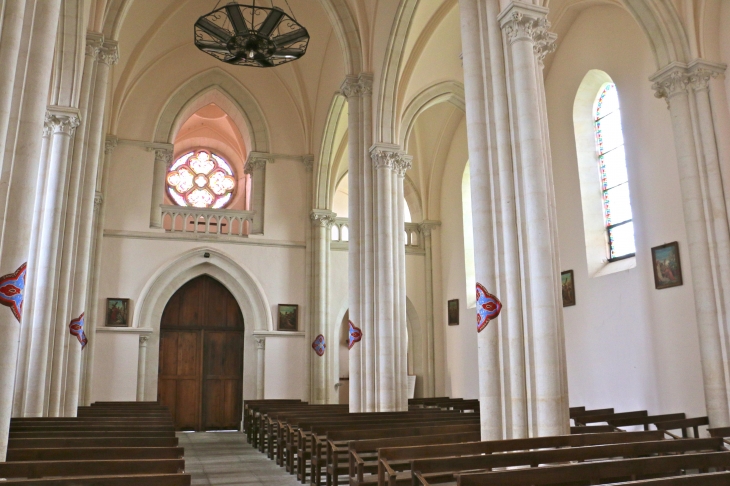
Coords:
214,458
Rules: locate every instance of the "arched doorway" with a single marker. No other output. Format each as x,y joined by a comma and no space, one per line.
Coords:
200,375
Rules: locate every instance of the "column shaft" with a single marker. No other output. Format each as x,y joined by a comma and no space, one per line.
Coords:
320,381
141,367
260,366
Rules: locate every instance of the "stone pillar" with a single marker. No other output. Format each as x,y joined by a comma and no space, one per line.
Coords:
64,122
260,366
92,297
256,168
21,193
429,386
705,218
163,159
525,27
320,386
10,39
141,367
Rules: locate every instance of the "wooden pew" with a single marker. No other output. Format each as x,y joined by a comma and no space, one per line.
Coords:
592,429
684,425
81,467
719,432
94,453
603,471
645,421
338,444
67,442
391,460
250,405
432,471
83,434
363,454
313,438
599,418
708,479
587,413
123,480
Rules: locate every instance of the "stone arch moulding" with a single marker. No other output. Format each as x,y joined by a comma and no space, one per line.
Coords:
443,92
168,279
663,27
217,86
323,174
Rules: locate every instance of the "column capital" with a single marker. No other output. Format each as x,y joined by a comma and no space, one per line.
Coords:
322,217
260,342
670,81
108,53
143,340
523,21
427,226
98,199
701,72
256,160
110,144
392,157
350,87
94,42
308,161
62,120
365,80
162,155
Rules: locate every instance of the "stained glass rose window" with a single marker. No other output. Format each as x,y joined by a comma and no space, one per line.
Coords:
201,179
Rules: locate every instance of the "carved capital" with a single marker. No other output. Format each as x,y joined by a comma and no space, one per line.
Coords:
62,122
143,340
701,72
351,87
670,81
98,199
94,42
108,53
365,80
163,156
308,161
322,218
526,22
427,227
260,342
391,157
110,144
253,164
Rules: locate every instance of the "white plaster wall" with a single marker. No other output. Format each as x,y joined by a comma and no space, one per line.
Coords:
629,346
115,369
285,367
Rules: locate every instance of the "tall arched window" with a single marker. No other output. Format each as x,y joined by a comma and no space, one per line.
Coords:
613,175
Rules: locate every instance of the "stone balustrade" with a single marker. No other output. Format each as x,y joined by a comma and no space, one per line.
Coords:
223,222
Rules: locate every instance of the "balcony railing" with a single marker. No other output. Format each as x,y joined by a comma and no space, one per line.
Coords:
225,222
341,235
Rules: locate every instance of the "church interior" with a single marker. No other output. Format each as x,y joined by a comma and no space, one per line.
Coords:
365,242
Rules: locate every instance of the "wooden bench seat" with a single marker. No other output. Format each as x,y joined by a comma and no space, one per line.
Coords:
685,425
599,418
708,479
81,467
121,480
94,434
645,421
588,413
601,471
96,453
438,470
92,442
389,458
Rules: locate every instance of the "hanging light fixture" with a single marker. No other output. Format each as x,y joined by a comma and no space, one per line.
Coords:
248,35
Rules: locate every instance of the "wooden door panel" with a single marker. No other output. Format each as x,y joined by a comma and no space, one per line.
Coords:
179,380
187,412
188,351
222,379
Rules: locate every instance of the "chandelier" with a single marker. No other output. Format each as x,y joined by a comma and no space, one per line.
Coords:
248,35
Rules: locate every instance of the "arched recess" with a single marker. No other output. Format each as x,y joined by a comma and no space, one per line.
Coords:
328,152
443,92
664,29
241,283
413,199
214,85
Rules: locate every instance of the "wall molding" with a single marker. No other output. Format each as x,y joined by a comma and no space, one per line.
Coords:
206,238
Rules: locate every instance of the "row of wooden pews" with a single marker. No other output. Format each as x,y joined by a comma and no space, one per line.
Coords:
107,444
437,442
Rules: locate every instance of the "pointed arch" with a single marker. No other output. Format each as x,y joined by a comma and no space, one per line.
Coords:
214,85
443,92
664,29
168,279
323,172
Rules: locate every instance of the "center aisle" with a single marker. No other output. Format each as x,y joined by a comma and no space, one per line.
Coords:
217,458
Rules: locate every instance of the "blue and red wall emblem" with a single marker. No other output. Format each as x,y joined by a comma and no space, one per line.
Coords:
355,335
77,329
488,307
12,287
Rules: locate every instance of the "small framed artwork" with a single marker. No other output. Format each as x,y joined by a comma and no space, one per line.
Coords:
117,312
288,317
568,285
453,308
666,264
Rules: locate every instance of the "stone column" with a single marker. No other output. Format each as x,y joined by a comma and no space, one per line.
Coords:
256,168
706,224
18,219
429,387
92,297
10,39
260,366
64,122
141,367
322,221
163,159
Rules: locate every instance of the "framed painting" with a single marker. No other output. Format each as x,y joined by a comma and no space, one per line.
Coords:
667,266
117,312
568,285
453,308
288,317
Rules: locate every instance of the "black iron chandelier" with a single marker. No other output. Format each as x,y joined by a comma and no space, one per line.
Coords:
248,35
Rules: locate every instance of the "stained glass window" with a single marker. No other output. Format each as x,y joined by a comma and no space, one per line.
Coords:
201,179
614,178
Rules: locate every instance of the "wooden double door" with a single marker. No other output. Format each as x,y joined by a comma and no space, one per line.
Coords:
201,357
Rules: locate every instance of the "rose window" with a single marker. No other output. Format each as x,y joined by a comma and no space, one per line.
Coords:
202,180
